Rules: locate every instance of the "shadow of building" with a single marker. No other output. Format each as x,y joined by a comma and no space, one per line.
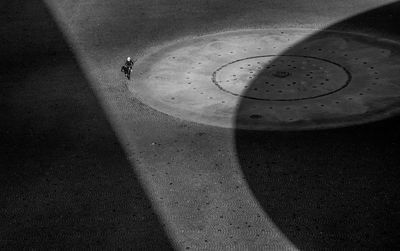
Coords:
333,189
65,181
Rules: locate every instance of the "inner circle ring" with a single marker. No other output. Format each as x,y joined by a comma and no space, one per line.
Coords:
349,77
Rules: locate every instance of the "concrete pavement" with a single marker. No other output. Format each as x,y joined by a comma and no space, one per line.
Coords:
209,187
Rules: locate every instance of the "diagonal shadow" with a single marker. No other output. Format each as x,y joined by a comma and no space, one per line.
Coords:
331,189
65,181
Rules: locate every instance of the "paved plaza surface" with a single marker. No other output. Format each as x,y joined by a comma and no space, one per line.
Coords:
246,125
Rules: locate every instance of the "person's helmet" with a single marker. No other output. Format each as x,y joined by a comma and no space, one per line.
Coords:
128,59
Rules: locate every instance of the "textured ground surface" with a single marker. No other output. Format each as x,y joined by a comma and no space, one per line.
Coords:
85,164
290,78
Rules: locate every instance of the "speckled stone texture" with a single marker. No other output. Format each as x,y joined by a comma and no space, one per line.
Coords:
287,78
85,164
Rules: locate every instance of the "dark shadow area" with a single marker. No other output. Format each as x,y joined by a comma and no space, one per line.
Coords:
382,20
65,181
333,189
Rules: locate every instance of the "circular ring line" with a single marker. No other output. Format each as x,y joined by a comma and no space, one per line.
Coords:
214,78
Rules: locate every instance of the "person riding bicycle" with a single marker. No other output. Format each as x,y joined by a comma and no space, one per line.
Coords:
127,68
